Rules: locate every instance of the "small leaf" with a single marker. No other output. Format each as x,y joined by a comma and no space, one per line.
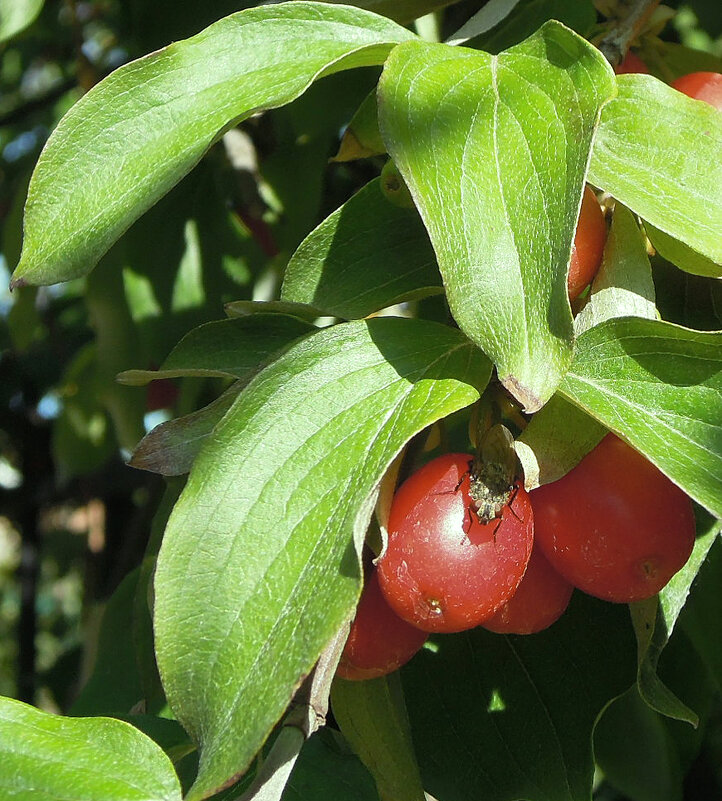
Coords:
47,756
171,447
258,567
225,348
557,438
623,286
139,131
680,254
510,717
367,255
484,20
654,621
362,137
659,386
523,19
658,152
494,151
372,717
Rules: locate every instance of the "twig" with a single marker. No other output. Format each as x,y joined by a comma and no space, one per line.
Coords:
307,714
616,42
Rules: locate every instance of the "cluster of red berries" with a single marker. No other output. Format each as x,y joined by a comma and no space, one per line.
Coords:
614,527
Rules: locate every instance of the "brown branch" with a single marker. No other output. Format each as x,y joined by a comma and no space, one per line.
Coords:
616,42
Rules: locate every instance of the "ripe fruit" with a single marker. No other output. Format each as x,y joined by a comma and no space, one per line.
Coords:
541,599
444,569
705,86
379,640
631,64
588,246
614,526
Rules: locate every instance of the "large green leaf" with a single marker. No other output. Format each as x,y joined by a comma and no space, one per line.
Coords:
659,386
368,254
51,757
658,152
135,135
494,150
257,569
509,717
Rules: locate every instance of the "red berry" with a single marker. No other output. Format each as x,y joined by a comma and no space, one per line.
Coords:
631,64
379,640
705,86
614,526
588,246
444,569
541,599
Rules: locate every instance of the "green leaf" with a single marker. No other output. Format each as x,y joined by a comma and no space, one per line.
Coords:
510,717
654,621
678,253
113,687
16,15
225,348
247,308
671,60
400,10
557,438
523,19
362,137
325,772
658,152
494,150
658,386
367,255
633,749
135,135
48,756
623,286
490,15
701,618
258,569
372,717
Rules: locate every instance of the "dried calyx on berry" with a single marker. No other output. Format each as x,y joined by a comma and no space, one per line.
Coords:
493,473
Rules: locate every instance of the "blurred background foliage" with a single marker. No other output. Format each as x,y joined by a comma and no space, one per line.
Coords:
74,519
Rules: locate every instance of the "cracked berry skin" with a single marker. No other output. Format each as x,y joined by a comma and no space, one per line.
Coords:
614,526
379,641
444,570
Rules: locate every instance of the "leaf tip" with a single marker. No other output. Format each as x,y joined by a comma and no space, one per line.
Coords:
529,400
